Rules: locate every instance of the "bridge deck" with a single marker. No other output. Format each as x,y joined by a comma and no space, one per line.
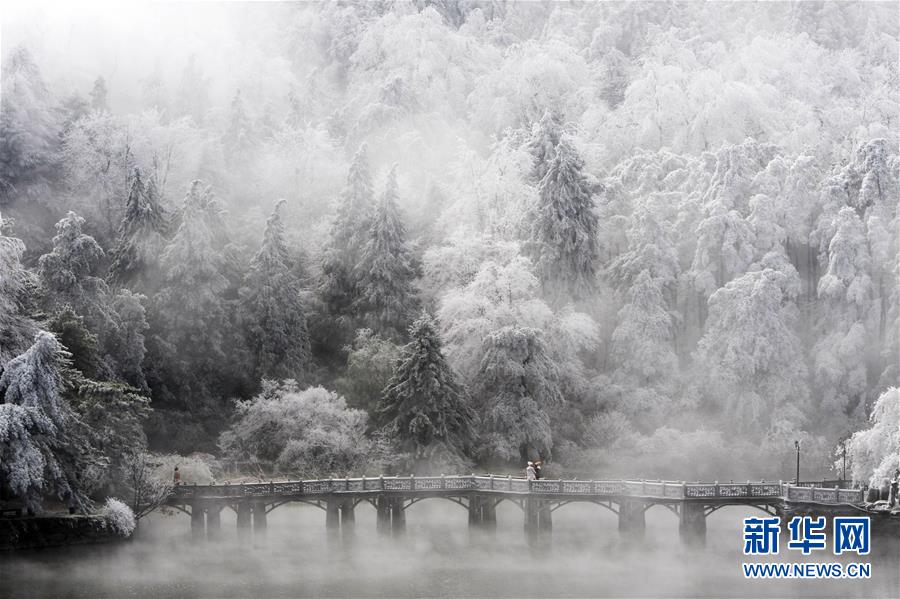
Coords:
656,491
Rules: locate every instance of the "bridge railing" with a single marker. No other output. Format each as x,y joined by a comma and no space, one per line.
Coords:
674,490
823,495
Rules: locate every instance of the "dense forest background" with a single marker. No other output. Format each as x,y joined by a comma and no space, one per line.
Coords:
636,239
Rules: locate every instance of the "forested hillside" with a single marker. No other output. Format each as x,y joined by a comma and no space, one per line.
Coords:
636,239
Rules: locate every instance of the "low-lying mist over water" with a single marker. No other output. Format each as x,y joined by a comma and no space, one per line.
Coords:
437,557
297,241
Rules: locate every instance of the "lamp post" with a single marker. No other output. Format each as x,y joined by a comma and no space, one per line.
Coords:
843,460
797,446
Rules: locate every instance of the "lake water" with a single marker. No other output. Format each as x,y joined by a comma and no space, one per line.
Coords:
436,558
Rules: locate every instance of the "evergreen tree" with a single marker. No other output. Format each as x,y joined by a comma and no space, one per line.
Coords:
98,95
564,230
518,384
272,310
423,406
349,233
385,273
68,273
751,357
29,128
16,329
237,141
845,324
43,444
135,259
545,136
189,305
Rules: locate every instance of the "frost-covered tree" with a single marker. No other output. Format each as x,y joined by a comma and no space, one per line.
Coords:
750,355
69,272
545,136
349,234
29,128
875,452
272,309
238,140
423,407
310,433
16,329
42,441
564,228
845,324
385,273
135,258
517,388
99,94
370,365
189,307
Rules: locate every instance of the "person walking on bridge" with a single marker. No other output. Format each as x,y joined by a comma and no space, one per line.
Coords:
530,473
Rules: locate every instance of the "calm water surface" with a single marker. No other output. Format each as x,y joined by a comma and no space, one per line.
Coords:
437,558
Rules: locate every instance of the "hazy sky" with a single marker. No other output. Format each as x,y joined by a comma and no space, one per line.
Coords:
74,42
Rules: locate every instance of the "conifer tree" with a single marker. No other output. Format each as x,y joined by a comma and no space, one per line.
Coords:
16,329
518,384
189,307
68,273
272,310
135,259
564,229
423,406
98,95
43,444
545,137
385,273
29,127
349,234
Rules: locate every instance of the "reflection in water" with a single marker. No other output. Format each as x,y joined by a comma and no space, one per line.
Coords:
437,557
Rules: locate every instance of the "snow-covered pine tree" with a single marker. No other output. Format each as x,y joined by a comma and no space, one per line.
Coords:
68,275
349,233
518,384
135,259
750,356
423,406
564,228
99,94
385,272
29,127
189,307
16,329
845,325
43,444
237,141
545,136
272,310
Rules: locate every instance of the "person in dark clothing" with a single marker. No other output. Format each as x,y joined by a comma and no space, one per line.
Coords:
538,474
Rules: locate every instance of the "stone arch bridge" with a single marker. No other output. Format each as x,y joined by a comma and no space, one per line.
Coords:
691,503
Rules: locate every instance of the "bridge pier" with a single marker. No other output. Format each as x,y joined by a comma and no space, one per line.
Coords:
545,518
531,520
243,519
631,519
692,524
213,521
398,517
198,521
260,518
348,519
332,516
382,515
489,514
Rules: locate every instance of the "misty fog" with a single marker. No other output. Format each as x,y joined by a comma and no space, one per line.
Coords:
302,240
